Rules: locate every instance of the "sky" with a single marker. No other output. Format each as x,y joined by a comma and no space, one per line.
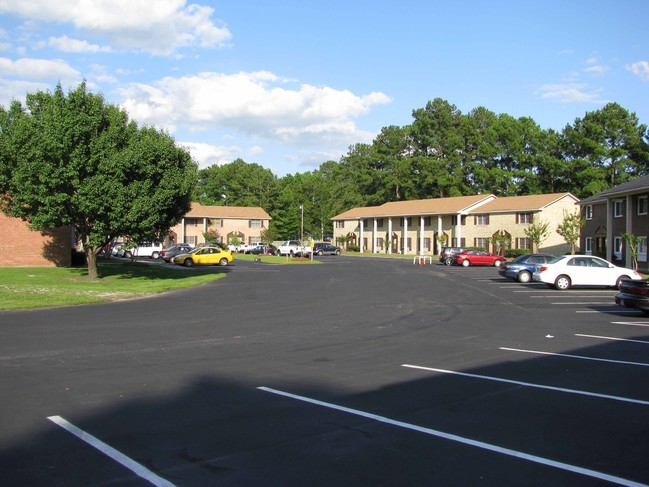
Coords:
291,84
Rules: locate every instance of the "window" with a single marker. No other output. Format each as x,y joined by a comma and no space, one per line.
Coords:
379,222
340,223
427,244
588,245
191,240
482,242
379,243
618,247
454,220
642,249
216,222
191,222
523,218
428,221
524,243
617,208
255,224
481,220
588,210
642,205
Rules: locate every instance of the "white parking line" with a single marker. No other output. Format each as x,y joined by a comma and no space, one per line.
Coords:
529,384
641,364
630,323
132,465
460,439
612,338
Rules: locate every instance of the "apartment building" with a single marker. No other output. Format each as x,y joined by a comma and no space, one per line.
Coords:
609,214
241,222
424,226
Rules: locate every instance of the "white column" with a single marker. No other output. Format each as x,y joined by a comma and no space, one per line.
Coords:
439,232
182,231
609,232
628,262
374,236
421,235
404,239
459,230
360,243
389,242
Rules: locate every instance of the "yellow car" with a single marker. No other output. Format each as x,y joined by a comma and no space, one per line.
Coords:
208,254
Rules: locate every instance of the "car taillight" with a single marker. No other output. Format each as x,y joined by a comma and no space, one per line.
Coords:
543,268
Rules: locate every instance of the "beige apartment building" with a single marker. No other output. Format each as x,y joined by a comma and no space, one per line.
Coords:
242,222
422,227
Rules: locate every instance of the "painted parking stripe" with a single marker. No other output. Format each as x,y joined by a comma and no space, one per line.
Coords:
132,465
613,338
530,384
630,323
460,439
581,357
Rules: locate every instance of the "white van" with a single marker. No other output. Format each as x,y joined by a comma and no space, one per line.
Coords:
147,249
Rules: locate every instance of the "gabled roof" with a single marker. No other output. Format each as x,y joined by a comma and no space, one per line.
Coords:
534,202
639,185
239,212
433,206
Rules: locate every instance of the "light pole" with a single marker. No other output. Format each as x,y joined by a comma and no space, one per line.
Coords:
301,224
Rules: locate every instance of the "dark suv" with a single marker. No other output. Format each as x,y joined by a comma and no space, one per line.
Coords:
448,253
321,248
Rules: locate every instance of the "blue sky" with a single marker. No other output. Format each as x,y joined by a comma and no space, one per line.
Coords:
291,84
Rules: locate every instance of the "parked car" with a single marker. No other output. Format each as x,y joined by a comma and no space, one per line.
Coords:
145,249
171,252
293,248
634,294
478,257
322,248
522,267
582,270
263,250
447,253
205,255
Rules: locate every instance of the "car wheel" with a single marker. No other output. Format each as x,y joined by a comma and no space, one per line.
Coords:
155,255
337,252
524,276
448,261
619,280
320,252
562,283
128,255
223,261
188,263
497,263
466,263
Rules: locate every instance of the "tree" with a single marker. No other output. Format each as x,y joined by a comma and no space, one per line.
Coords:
633,243
570,228
76,161
537,232
211,236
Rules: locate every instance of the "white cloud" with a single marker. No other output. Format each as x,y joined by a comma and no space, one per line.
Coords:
640,69
207,154
595,67
569,93
160,29
255,104
65,44
38,69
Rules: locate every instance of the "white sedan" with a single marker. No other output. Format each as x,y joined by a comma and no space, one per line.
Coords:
581,270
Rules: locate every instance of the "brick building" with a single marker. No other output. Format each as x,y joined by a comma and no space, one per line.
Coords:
20,246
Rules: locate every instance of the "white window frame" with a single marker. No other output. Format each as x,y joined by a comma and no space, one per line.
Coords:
642,205
617,208
589,212
642,249
482,219
588,246
525,218
618,247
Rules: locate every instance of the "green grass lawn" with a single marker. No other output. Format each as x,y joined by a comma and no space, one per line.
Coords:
42,287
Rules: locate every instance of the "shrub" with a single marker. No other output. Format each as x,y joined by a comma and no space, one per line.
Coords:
354,248
513,253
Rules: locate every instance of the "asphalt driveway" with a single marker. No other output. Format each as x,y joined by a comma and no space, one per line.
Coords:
353,372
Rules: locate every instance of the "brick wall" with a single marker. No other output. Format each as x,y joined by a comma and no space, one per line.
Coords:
20,246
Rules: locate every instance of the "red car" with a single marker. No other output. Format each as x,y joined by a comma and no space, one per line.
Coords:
478,257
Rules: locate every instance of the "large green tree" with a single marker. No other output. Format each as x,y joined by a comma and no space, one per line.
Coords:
74,160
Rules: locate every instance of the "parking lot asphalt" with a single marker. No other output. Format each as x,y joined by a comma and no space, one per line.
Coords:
359,371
